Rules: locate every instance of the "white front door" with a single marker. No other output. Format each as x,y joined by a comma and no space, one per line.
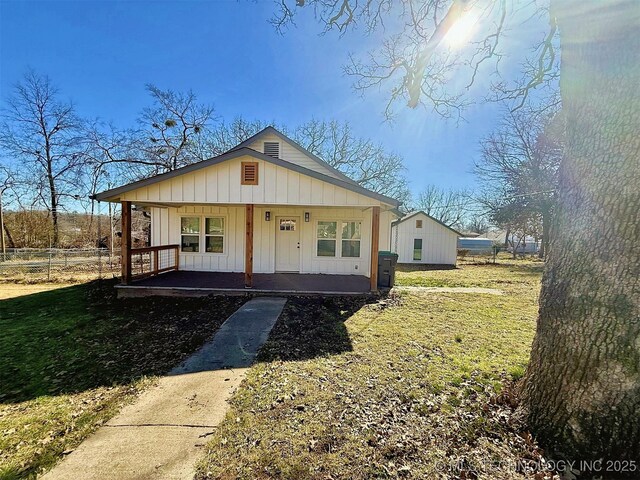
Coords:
287,244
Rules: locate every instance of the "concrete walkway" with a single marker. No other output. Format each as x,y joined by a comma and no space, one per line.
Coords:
161,435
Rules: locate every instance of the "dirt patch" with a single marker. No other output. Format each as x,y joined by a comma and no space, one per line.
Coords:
12,290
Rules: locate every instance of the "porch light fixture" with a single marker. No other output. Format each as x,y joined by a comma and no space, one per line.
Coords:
267,216
307,215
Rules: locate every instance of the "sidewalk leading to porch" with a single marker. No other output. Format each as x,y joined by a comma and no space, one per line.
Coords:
191,283
162,434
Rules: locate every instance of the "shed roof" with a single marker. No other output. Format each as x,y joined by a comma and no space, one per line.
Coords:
417,212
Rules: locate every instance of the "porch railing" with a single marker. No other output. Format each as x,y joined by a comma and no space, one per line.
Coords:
149,261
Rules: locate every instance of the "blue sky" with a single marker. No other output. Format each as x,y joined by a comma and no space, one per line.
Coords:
101,55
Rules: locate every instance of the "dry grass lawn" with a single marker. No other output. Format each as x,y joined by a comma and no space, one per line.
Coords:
411,387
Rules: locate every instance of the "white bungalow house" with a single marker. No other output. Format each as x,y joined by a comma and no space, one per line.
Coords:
420,238
265,207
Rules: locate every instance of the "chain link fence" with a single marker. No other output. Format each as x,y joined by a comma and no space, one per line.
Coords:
56,265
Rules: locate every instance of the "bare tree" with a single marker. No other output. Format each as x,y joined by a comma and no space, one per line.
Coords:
518,169
419,53
43,133
450,206
360,159
171,130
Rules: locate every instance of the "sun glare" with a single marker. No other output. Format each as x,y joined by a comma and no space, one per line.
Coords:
461,31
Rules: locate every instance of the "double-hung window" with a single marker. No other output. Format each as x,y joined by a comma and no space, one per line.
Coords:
190,234
351,233
346,245
214,235
194,239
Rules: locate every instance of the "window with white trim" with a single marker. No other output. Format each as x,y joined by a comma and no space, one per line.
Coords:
351,235
326,239
214,235
190,234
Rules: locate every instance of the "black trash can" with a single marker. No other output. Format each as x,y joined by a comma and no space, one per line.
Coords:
387,268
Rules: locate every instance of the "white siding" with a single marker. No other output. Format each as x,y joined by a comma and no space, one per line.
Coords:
165,227
439,244
221,184
291,154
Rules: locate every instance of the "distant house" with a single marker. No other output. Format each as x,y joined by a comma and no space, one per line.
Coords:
266,206
420,238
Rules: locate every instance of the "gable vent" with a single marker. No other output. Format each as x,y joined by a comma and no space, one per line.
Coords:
272,149
249,173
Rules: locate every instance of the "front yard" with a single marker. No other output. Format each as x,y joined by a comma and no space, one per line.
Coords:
72,356
416,386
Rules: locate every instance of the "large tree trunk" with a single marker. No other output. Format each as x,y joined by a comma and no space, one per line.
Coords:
582,387
546,224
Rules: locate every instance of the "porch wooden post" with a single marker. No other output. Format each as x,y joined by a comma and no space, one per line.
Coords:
375,239
126,242
248,249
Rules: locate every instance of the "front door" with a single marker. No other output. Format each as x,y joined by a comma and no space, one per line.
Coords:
287,244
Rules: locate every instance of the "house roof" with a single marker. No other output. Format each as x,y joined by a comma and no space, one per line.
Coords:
113,194
271,130
418,212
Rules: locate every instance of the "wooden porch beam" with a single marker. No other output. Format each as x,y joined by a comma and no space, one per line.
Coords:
248,249
125,220
375,240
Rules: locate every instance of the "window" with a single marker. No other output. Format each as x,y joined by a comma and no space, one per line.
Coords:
214,235
418,223
326,239
249,173
287,224
272,149
190,234
351,239
417,249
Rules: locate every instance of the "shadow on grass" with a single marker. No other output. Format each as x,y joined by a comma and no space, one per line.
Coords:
312,327
75,338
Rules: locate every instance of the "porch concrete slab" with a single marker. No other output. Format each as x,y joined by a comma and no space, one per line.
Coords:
162,434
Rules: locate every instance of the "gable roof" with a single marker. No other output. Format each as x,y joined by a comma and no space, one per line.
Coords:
271,130
239,152
418,212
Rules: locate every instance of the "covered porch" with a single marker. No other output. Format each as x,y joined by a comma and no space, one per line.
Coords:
194,283
168,268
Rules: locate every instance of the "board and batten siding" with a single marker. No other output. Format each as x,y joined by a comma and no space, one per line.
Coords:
221,184
291,154
439,244
165,229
